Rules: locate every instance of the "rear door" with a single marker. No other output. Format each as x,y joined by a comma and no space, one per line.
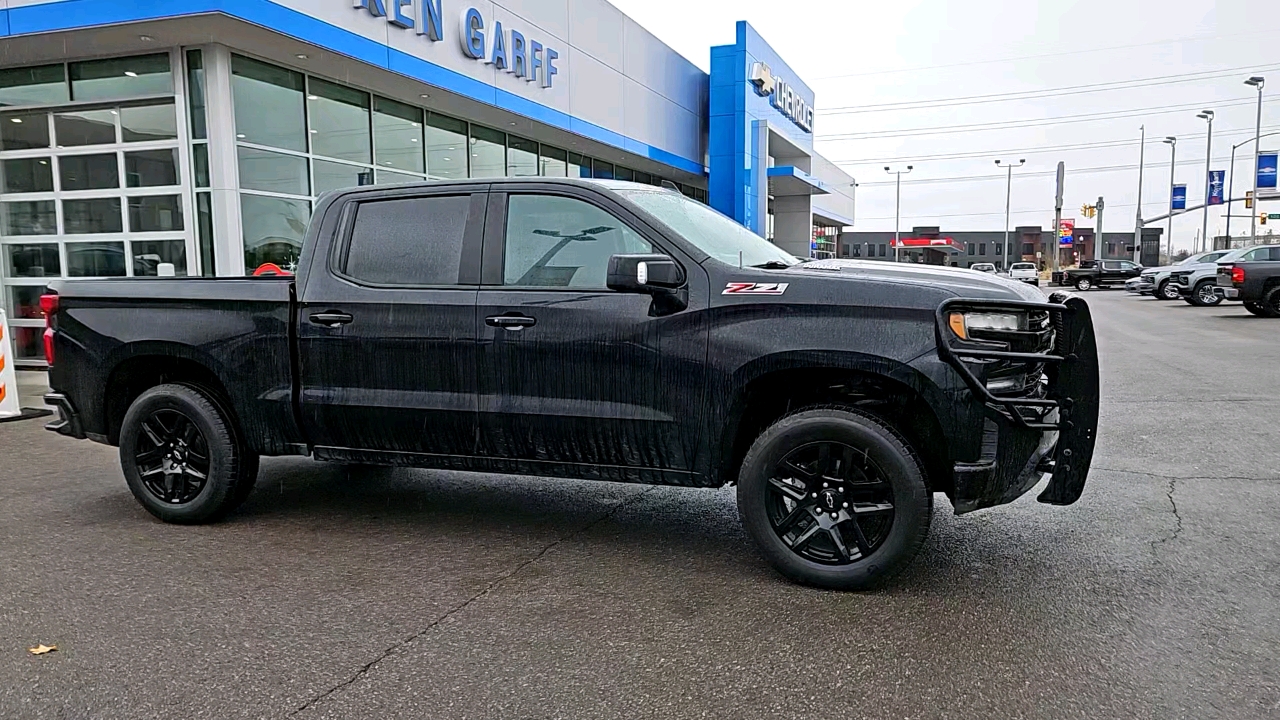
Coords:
386,331
570,371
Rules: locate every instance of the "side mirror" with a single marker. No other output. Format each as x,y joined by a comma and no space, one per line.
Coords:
649,274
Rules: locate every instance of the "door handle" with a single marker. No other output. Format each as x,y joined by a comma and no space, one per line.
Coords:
331,319
510,322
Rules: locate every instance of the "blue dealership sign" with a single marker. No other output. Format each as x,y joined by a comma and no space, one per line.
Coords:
1217,179
1179,201
1267,171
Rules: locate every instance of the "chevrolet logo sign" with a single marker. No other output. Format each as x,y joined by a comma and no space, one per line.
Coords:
762,78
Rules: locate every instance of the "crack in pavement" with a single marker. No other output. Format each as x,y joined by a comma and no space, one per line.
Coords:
1177,528
490,587
1164,476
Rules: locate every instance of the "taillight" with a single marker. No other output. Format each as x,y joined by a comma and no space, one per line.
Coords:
1237,275
49,306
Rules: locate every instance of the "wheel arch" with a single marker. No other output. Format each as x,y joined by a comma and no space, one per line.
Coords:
779,385
139,367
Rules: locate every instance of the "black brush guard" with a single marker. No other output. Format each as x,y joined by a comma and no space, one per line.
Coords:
1018,442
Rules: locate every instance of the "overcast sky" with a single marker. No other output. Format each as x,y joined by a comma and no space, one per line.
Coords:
857,55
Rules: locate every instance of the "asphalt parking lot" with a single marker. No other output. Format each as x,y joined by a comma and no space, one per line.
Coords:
424,594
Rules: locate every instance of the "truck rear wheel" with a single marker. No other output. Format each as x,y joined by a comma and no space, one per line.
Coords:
1270,305
834,498
181,456
1084,283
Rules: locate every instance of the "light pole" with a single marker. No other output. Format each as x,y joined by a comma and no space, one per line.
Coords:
1008,196
897,210
1172,142
1137,226
1256,81
1231,177
1207,115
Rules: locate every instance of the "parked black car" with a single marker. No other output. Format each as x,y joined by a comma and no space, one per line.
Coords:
1101,273
1255,282
597,330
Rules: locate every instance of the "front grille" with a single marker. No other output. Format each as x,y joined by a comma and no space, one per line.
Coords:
1013,373
1007,378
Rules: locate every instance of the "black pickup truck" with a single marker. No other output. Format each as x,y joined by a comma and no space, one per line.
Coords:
1101,273
598,330
1255,282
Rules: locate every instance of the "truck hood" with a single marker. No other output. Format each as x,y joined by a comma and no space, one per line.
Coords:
959,281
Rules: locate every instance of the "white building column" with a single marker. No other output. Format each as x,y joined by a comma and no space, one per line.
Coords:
224,174
793,224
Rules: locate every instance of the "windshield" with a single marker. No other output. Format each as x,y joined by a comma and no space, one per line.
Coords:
711,232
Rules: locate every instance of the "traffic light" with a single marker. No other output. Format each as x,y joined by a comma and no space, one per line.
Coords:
1248,199
1262,219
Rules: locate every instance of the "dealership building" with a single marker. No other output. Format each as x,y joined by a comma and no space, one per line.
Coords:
198,133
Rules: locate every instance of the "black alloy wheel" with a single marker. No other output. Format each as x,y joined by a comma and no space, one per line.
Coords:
834,497
172,457
1270,305
830,503
183,456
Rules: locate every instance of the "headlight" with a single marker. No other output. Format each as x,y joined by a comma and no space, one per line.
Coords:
962,322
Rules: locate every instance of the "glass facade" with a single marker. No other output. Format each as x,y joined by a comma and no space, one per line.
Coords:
90,190
300,136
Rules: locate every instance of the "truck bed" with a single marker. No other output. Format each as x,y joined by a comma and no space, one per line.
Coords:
237,327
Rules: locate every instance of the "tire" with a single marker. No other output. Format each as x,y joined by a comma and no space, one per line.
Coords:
1204,296
1256,309
1083,283
789,488
182,456
1270,304
1167,291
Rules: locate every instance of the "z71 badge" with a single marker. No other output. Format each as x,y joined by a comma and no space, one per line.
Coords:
745,288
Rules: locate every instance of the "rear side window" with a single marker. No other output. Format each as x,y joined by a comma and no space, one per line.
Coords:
409,241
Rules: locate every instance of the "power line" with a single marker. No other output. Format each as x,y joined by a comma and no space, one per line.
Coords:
1067,53
1045,173
1046,93
1043,149
1035,122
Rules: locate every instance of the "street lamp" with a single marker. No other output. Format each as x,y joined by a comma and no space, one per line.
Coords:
1008,195
1172,142
1207,115
1257,81
897,210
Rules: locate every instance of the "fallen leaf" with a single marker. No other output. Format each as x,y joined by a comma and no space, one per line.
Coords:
41,649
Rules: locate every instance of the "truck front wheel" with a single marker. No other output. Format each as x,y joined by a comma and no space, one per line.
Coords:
181,456
834,498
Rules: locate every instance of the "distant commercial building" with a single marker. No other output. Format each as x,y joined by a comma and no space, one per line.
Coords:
930,245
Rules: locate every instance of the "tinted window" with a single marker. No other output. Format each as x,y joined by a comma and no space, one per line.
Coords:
1110,265
563,242
415,241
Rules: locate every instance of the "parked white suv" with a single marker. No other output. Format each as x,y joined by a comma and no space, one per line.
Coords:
1026,272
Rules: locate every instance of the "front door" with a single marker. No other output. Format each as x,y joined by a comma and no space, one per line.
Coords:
570,371
386,332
